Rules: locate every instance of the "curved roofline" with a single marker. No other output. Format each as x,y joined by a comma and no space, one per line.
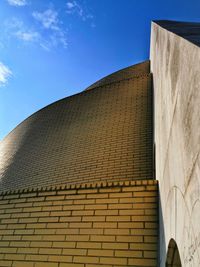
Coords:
115,72
82,92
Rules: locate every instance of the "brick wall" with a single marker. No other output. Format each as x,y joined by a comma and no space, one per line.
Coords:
126,73
100,134
104,224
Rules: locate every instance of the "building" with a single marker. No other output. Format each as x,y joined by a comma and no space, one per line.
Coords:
175,66
78,185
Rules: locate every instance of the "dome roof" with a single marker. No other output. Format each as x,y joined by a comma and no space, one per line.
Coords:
96,135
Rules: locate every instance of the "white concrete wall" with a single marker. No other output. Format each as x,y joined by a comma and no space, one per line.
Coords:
175,64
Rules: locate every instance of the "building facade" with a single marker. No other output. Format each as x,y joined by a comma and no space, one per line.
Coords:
78,183
175,64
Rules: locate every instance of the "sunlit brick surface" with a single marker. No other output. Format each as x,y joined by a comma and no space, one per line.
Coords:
102,224
97,135
124,74
76,187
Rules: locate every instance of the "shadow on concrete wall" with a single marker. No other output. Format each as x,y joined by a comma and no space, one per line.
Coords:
168,256
161,244
173,257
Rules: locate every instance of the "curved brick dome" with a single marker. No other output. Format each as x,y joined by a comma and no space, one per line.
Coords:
98,134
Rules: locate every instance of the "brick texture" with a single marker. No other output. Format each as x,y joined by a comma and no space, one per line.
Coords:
127,73
103,134
76,187
102,224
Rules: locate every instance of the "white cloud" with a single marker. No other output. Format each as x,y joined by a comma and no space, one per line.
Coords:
15,27
48,35
48,18
17,2
73,7
50,21
5,73
29,36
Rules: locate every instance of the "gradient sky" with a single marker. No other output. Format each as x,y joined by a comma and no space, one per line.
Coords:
53,49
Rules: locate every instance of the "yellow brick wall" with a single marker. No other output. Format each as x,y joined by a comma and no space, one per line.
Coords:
104,224
126,73
100,134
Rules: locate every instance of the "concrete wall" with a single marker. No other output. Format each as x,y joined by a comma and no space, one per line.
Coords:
89,225
175,63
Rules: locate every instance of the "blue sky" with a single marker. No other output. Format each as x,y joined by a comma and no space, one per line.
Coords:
53,49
